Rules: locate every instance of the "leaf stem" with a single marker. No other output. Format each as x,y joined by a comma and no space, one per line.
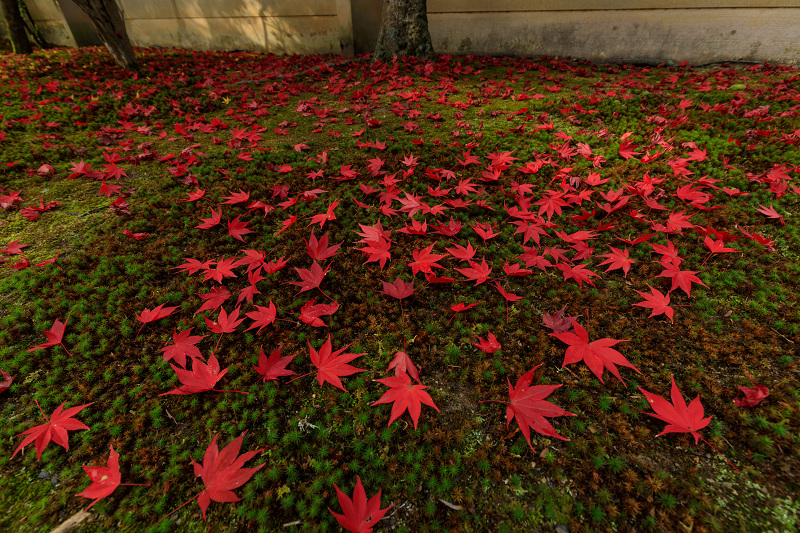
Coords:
65,349
298,377
179,508
718,453
40,410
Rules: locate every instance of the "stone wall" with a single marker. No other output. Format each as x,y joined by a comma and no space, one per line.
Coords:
642,31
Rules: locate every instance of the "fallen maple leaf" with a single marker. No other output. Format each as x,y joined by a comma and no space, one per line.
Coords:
528,405
424,260
402,363
105,479
405,395
262,316
618,259
360,515
147,316
201,378
681,278
377,250
770,212
311,312
597,355
752,395
8,379
183,344
213,299
56,428
311,277
222,471
55,336
657,301
679,417
274,366
332,365
489,345
477,272
237,228
557,322
398,289
226,323
319,249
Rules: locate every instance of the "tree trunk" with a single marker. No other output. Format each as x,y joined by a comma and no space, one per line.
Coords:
16,27
110,25
404,30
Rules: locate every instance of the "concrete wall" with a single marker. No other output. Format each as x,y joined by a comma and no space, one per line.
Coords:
649,31
621,30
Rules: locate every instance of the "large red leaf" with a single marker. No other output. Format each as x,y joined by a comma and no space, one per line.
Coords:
405,395
222,472
597,355
360,515
528,405
331,365
55,429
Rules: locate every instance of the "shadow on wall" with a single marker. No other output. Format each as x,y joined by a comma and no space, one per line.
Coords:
277,26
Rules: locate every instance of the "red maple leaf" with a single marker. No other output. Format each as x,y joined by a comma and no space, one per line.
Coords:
324,217
679,417
331,365
201,378
147,316
55,336
557,322
274,366
135,236
262,316
8,379
577,272
398,289
528,405
489,345
717,246
183,345
212,221
597,355
237,228
311,312
224,269
226,323
377,250
237,197
213,299
105,479
360,515
311,277
402,363
618,259
405,395
194,196
462,253
319,249
424,260
681,278
222,471
14,247
752,395
477,272
192,266
656,301
55,429
771,213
